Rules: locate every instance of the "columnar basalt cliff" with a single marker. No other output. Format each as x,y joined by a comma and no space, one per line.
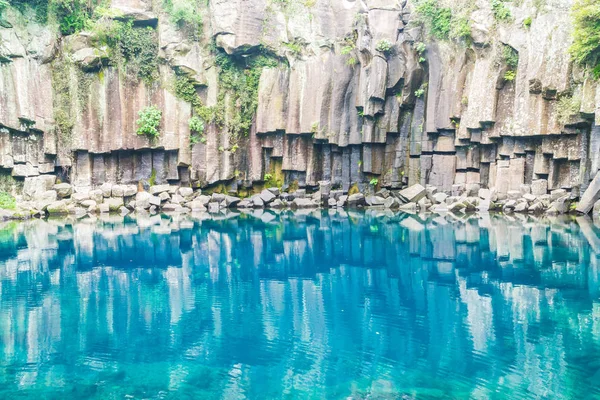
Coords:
352,92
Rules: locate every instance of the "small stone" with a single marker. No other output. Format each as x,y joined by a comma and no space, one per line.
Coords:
155,201
391,203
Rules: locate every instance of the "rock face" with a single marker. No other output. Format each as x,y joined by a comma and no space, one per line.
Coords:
338,112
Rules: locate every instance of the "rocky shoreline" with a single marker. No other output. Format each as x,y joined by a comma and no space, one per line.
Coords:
42,197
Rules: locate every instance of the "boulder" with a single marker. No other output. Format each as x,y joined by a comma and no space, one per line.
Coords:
158,189
409,207
277,204
539,187
375,200
275,191
590,196
521,207
440,197
142,200
342,200
118,191
114,203
257,201
357,199
332,202
155,201
63,190
530,197
558,193
97,195
267,196
196,206
106,189
57,207
37,185
186,192
104,208
164,196
203,199
129,190
413,193
391,203
231,201
303,203
79,197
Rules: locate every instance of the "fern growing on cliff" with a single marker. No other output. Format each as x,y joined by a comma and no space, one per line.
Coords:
585,49
149,121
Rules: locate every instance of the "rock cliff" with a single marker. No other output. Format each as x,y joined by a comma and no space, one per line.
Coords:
353,92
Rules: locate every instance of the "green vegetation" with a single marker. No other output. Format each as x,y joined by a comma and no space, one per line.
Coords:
268,177
374,182
238,90
527,22
510,57
185,13
442,22
133,49
384,46
567,107
436,18
510,75
196,130
7,201
148,122
585,49
500,10
294,47
72,15
421,91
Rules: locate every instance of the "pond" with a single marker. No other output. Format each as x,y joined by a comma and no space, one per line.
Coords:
305,305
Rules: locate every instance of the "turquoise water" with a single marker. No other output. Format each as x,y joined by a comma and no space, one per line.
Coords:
317,305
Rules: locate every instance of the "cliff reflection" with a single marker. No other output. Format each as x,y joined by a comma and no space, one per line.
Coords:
312,305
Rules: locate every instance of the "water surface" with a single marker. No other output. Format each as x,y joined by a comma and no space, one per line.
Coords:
314,305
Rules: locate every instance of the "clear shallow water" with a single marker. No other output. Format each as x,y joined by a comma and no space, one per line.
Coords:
319,305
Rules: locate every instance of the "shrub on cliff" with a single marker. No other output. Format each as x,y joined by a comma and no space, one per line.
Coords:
148,122
585,49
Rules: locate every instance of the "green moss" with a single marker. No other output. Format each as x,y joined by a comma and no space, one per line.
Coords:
567,107
585,49
64,118
134,50
527,22
152,180
238,90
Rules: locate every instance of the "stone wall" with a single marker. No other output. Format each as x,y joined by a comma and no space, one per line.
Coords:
445,116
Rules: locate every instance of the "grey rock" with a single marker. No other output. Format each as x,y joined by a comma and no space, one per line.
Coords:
539,187
154,201
303,203
58,207
97,195
158,189
142,200
129,190
186,192
267,196
114,203
391,202
106,189
63,190
274,191
590,196
440,197
558,193
375,200
357,199
413,193
257,201
277,204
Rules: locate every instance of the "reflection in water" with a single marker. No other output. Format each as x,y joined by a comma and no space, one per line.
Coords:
306,305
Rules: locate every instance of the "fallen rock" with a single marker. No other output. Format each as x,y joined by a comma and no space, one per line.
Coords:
375,200
142,200
413,193
57,207
539,187
355,200
267,196
590,196
158,189
303,203
63,190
